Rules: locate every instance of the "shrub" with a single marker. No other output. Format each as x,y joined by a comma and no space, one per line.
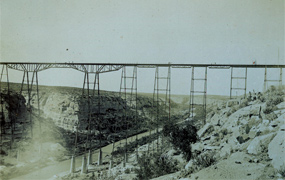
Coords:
224,132
205,160
155,166
274,97
127,171
232,110
163,164
269,109
274,100
145,170
244,103
247,129
181,137
271,116
281,170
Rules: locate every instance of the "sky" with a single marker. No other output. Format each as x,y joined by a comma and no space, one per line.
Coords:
150,31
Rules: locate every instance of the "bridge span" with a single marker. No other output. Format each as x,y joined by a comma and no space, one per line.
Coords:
91,87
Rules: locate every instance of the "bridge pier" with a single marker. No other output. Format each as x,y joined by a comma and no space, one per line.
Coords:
84,165
158,102
88,81
89,160
266,80
237,78
100,157
128,84
192,104
72,167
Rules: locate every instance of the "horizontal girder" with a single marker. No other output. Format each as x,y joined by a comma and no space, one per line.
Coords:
91,68
107,67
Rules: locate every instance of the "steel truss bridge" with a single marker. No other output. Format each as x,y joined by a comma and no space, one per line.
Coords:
91,88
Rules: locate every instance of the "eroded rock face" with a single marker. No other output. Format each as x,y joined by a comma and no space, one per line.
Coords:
67,109
276,150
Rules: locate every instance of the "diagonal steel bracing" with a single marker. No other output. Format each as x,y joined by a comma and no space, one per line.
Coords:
198,91
128,92
161,85
266,80
91,90
236,79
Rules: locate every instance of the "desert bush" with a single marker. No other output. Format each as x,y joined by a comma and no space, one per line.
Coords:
271,116
281,170
232,110
127,171
164,165
269,109
247,129
145,170
199,162
244,103
181,137
262,98
274,97
155,166
273,90
241,140
274,100
204,160
224,132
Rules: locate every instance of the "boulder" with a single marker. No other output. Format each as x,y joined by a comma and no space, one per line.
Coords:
226,151
189,164
259,144
263,128
179,158
228,147
208,147
207,128
215,120
281,105
252,132
171,152
197,147
276,150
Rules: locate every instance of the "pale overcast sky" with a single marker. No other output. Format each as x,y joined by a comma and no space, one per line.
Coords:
150,31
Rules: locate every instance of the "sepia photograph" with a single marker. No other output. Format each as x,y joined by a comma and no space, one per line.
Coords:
142,90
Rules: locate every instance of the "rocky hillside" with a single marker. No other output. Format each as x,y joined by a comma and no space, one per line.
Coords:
242,139
246,140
